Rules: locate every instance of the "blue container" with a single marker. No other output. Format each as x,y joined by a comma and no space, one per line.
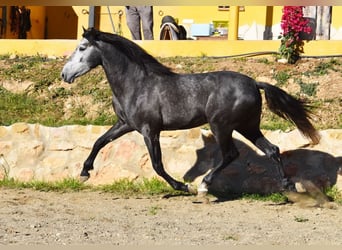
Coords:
202,29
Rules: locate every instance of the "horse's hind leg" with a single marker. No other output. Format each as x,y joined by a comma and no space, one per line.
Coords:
229,153
271,150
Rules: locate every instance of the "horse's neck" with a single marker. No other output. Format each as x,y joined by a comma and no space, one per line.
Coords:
122,77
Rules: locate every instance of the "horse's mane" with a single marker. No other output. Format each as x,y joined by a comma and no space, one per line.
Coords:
130,50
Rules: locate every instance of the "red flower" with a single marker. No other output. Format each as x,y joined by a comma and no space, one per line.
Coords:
292,23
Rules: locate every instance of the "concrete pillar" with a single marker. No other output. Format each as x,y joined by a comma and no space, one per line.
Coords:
233,23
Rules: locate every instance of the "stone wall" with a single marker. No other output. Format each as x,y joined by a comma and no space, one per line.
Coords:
36,152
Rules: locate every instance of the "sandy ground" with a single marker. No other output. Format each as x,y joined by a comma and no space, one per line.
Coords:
87,218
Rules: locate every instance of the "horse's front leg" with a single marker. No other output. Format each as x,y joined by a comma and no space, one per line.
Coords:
119,129
153,146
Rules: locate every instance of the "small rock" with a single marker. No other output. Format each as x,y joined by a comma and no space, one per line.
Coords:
13,56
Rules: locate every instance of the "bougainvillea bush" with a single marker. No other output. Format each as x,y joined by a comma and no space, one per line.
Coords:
292,24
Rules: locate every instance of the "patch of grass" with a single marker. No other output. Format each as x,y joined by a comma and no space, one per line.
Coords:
264,60
275,197
23,107
154,210
308,89
43,102
335,194
323,67
300,219
50,102
151,186
155,186
60,92
4,56
123,186
26,68
58,186
105,119
240,59
99,94
281,77
231,237
270,121
144,187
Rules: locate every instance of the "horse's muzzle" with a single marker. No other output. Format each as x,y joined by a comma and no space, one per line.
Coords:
66,78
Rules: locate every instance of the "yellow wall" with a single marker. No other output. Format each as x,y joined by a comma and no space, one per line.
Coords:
199,14
170,48
336,21
67,22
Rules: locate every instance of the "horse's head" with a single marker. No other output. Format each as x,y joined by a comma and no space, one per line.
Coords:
84,58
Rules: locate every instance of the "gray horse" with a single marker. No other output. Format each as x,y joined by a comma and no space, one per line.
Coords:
148,97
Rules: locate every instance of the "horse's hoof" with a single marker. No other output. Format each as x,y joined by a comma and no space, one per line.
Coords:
191,189
202,190
83,178
288,186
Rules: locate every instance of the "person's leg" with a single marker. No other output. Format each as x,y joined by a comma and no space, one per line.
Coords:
146,15
133,22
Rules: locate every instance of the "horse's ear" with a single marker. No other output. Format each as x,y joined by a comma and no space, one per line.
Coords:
90,34
89,30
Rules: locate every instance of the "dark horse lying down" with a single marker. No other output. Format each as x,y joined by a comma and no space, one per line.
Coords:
148,97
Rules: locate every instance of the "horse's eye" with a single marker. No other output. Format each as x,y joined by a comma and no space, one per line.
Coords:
82,48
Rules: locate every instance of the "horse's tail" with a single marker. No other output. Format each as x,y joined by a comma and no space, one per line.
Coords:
289,108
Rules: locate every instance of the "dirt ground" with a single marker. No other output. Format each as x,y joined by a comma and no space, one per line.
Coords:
32,217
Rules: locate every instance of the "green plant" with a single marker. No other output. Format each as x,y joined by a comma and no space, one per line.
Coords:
323,67
309,89
281,77
335,194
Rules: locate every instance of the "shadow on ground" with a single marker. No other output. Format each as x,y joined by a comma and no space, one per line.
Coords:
252,173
